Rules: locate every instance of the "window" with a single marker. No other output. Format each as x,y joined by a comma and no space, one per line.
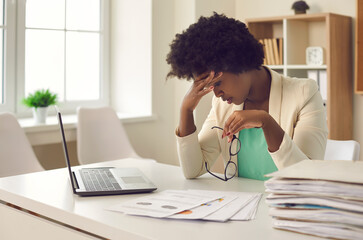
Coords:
2,28
60,45
64,45
7,55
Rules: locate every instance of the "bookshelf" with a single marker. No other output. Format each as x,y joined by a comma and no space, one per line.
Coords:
333,33
359,49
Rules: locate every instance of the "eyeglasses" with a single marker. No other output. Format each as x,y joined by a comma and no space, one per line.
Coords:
231,168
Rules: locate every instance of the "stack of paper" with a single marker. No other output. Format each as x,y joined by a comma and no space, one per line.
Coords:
194,204
323,198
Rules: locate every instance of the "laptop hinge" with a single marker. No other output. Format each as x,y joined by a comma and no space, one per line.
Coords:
75,180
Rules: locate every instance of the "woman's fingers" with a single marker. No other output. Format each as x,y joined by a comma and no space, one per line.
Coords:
226,130
213,80
204,82
234,129
242,119
206,90
233,125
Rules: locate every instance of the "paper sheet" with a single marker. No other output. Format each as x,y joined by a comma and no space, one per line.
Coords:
329,230
332,170
229,210
344,204
318,186
249,211
204,210
193,204
318,215
166,203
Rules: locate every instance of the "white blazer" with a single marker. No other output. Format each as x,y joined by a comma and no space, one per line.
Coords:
295,104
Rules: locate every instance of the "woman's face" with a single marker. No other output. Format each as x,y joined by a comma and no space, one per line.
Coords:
233,88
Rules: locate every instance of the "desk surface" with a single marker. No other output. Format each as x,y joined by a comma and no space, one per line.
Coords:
49,194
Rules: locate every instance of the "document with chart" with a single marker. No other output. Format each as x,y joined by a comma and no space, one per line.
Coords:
165,203
194,204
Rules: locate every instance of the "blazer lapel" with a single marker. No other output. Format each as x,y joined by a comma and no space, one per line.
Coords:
275,99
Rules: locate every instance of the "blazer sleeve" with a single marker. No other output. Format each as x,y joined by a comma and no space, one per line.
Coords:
196,149
310,131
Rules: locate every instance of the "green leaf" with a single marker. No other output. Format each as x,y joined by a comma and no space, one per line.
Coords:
40,98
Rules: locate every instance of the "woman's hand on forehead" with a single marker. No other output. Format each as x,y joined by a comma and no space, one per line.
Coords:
203,76
208,78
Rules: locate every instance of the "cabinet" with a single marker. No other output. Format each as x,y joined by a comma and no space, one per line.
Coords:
359,49
330,31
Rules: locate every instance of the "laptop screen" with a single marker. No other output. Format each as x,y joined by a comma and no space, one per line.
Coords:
65,149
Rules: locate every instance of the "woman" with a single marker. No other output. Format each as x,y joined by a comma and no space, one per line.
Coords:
260,121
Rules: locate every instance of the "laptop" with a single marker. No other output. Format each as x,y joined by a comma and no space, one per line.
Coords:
104,180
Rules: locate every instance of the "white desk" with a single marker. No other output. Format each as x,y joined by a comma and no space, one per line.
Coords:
49,194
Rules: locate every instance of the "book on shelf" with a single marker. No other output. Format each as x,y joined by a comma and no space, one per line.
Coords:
316,197
267,52
273,50
280,46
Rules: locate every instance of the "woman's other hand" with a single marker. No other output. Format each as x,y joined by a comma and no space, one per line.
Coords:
243,119
255,119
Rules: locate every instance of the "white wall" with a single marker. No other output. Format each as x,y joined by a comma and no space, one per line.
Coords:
184,16
130,58
156,139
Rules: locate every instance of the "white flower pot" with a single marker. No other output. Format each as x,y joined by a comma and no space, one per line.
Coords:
40,114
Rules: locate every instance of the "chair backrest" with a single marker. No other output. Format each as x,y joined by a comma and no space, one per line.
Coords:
342,150
101,136
16,153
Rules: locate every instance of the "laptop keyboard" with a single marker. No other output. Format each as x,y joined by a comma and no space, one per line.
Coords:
99,180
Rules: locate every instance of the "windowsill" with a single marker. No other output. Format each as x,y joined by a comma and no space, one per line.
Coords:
48,133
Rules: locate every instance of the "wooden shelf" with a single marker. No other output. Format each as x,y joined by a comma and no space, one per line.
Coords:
359,49
307,67
333,33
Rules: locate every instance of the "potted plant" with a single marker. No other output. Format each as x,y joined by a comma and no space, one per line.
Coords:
300,7
39,102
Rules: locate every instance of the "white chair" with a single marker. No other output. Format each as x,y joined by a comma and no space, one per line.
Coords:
342,150
16,153
101,136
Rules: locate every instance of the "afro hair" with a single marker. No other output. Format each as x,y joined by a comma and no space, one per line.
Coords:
215,43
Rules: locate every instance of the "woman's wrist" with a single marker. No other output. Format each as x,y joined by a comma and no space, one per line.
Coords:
272,131
265,120
186,110
186,123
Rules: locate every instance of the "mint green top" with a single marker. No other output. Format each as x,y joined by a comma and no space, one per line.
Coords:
254,160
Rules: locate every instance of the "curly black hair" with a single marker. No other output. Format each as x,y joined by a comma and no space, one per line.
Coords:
215,43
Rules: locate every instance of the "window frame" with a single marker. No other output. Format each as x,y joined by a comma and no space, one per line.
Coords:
9,58
14,53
